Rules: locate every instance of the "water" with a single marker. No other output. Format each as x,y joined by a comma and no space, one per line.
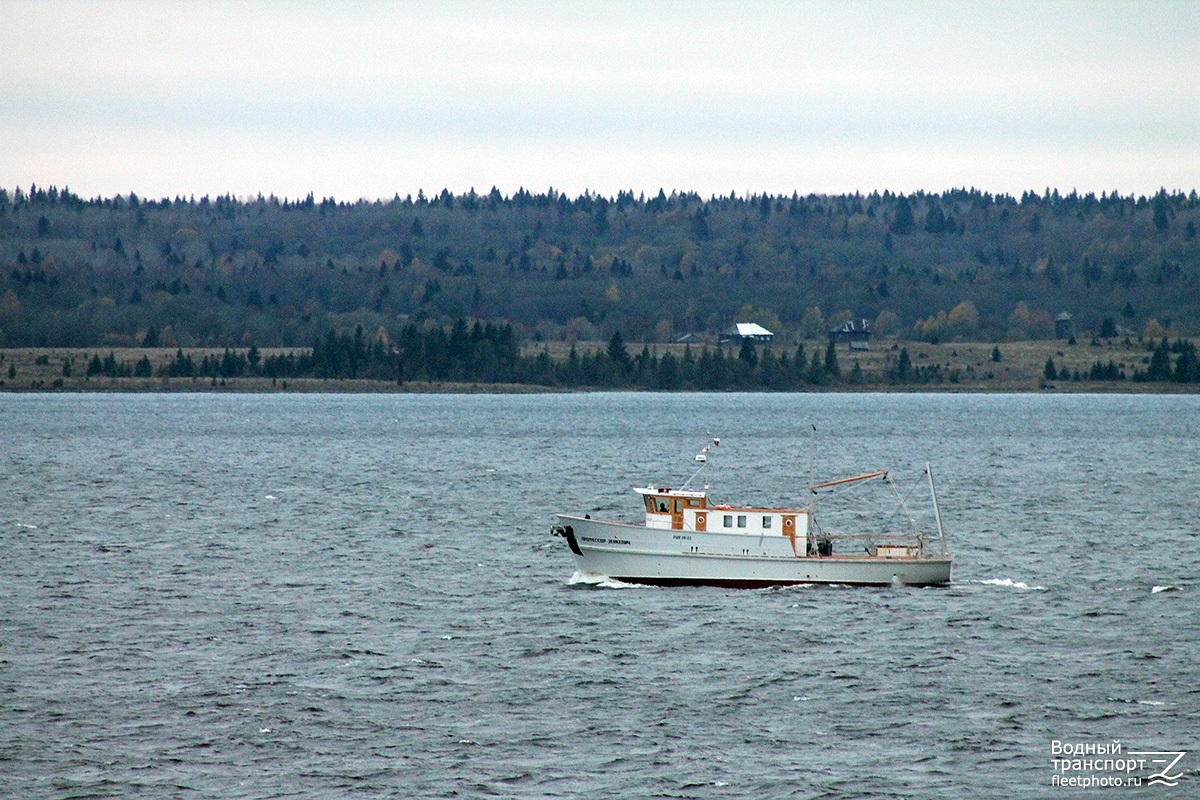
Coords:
327,596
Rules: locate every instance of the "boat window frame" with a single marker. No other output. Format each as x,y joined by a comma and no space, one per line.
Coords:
766,521
741,520
728,520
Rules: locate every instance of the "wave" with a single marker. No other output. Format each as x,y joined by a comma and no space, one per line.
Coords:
1135,701
1165,588
601,581
1007,583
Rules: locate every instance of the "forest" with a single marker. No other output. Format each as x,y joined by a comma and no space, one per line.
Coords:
961,265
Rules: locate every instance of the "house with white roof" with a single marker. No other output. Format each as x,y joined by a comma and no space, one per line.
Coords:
742,331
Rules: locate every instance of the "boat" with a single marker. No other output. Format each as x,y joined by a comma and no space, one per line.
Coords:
686,540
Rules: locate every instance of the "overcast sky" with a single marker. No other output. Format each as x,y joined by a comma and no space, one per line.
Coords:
359,99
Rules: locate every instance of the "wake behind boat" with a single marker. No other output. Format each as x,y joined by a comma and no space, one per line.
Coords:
685,540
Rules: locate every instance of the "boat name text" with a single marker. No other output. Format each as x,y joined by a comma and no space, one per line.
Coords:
595,540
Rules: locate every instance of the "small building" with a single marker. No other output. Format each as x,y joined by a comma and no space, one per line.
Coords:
690,338
856,333
744,331
1064,326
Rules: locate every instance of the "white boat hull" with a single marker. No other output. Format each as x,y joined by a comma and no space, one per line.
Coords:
639,554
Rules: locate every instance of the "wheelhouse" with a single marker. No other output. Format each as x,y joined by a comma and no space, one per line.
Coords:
684,510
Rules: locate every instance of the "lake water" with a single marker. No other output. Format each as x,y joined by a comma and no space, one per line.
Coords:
332,596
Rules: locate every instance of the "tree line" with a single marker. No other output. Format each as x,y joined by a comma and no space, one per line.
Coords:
488,354
1184,368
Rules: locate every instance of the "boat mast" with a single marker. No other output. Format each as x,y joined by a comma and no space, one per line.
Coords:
812,491
937,514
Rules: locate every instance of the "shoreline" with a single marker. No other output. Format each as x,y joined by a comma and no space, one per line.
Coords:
962,368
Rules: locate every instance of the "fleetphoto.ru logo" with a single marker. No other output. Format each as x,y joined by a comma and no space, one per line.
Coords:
1086,765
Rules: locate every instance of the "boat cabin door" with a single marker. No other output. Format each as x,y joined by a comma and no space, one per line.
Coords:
677,513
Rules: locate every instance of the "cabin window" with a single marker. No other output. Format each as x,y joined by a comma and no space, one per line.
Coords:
741,520
678,506
661,505
729,520
766,521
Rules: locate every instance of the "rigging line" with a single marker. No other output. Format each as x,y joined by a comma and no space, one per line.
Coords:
899,504
837,488
704,462
902,504
694,474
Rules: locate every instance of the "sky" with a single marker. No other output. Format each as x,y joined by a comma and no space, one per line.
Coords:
369,100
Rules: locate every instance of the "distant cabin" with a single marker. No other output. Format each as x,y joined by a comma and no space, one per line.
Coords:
856,333
1064,326
690,338
744,331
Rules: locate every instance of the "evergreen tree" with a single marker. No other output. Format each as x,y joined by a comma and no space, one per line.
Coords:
904,221
935,221
831,362
668,372
816,370
1161,221
1160,363
748,354
1187,367
902,370
617,352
